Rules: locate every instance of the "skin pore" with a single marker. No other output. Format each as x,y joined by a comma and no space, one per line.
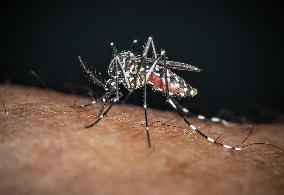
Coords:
45,149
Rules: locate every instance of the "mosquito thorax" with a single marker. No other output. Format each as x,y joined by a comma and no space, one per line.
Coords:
130,63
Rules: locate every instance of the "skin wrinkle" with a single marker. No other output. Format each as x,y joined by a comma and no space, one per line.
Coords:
45,149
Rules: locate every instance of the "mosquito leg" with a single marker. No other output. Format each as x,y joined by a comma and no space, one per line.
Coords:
214,119
102,112
84,105
134,51
195,129
92,102
115,54
145,108
116,79
203,117
149,43
151,69
99,116
39,79
105,98
153,48
146,76
128,96
118,63
178,108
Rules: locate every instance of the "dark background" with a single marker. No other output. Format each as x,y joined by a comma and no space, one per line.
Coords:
239,46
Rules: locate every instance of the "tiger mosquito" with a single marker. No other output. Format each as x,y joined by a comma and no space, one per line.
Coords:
134,71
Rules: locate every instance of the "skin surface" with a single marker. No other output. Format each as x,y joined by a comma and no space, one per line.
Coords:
45,149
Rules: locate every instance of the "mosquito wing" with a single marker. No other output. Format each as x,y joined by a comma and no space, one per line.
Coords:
182,66
176,65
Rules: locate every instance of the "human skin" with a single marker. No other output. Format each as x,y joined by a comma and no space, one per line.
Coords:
45,149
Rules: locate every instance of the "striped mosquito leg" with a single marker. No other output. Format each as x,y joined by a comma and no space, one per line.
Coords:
84,105
149,43
195,129
103,112
145,107
103,98
214,119
203,117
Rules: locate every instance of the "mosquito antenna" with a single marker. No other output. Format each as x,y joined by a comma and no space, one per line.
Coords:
91,75
38,78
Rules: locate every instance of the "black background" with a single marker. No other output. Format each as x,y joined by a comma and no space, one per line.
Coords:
239,45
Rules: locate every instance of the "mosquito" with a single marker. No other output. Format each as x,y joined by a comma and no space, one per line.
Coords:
134,71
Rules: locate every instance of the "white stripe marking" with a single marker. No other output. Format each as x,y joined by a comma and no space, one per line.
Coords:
193,127
226,146
145,106
210,139
185,110
172,104
215,119
226,123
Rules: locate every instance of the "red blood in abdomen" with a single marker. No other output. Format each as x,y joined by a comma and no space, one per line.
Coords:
160,84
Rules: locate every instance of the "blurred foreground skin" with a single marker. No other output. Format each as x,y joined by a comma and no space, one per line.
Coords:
45,149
